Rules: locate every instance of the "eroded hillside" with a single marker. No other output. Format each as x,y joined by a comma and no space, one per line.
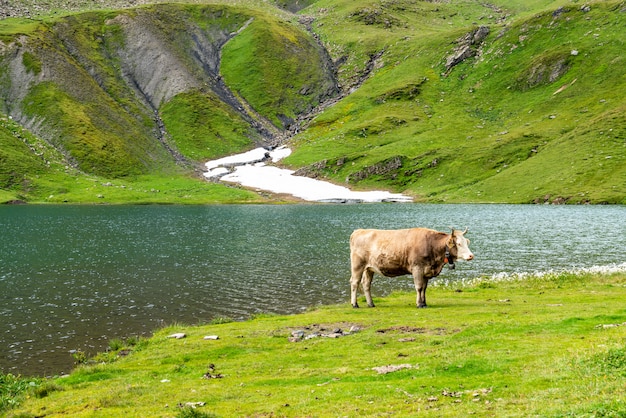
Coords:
137,91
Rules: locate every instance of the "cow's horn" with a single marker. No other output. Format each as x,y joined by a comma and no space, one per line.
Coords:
452,228
466,229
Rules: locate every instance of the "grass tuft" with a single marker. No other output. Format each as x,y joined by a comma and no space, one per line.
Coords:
191,412
13,390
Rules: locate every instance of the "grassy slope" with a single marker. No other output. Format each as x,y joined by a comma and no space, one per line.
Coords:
488,130
536,347
13,148
83,100
205,128
277,82
38,170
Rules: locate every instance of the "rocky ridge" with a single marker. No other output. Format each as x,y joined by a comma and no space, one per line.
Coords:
34,8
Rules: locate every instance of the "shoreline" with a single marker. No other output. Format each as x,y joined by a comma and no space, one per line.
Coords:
442,282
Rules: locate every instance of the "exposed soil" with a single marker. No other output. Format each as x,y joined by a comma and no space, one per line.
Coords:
406,329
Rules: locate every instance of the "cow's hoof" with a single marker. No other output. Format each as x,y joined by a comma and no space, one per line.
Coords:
356,305
422,306
371,305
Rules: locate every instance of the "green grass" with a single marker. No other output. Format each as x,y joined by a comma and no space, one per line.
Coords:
204,128
546,346
16,158
172,189
277,68
13,388
97,149
45,176
14,27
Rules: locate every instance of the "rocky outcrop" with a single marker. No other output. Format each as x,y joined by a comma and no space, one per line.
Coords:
467,46
387,168
544,69
375,16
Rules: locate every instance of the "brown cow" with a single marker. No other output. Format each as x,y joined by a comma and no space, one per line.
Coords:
418,251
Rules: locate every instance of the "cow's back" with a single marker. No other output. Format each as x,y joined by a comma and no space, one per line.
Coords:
392,252
368,241
372,239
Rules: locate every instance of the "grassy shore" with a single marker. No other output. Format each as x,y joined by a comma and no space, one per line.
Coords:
542,346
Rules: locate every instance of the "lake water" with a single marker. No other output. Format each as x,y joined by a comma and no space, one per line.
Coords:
75,277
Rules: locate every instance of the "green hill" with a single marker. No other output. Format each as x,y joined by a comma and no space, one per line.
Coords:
447,101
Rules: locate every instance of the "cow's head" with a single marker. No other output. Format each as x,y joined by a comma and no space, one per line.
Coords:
459,245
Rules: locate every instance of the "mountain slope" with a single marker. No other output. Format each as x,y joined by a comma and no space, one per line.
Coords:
511,101
533,113
139,91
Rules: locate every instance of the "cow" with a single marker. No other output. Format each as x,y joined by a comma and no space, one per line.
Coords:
421,252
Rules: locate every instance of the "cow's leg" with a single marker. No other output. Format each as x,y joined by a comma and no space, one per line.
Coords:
420,287
368,275
355,281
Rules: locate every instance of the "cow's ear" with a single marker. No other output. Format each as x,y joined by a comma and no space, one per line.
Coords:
451,241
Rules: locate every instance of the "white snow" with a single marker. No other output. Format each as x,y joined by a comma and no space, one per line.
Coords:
249,170
256,154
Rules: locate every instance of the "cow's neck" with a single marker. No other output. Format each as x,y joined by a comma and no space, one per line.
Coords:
449,257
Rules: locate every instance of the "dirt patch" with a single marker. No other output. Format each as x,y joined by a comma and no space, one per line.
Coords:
393,368
405,329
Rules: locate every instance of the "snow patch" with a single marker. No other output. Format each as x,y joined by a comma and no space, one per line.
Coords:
250,170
